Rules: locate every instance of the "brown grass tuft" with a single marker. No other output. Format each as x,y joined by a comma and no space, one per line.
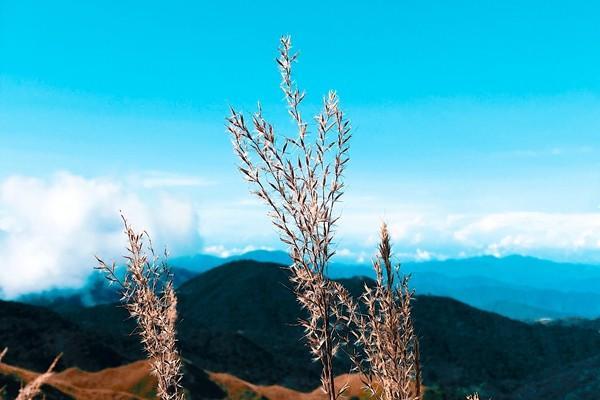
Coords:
149,296
33,388
388,345
300,179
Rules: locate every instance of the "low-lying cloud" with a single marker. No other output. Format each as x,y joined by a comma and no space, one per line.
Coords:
423,236
50,229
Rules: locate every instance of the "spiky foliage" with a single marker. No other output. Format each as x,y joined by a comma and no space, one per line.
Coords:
149,296
389,347
34,388
3,388
300,179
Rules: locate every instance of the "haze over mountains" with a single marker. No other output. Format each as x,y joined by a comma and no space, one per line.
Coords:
518,287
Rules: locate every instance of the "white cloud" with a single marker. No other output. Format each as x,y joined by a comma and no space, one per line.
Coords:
50,229
223,251
532,232
554,235
345,252
430,234
423,232
423,255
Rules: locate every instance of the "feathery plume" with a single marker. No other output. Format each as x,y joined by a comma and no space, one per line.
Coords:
388,357
301,181
148,294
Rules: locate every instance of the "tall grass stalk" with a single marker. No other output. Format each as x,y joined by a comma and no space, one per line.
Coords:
389,356
301,181
148,294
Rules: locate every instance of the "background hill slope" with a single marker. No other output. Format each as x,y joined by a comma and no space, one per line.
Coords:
240,318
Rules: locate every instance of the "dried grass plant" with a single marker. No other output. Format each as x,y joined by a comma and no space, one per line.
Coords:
3,388
148,294
300,179
474,396
34,388
389,352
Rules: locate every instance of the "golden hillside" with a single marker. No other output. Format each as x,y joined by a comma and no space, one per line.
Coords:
134,382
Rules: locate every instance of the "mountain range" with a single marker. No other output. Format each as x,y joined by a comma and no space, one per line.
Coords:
518,287
239,318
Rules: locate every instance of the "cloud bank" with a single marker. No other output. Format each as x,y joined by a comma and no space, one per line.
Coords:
50,229
426,235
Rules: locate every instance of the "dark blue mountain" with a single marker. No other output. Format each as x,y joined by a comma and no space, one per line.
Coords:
519,287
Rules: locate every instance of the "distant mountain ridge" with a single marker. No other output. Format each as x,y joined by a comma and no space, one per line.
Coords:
203,262
518,287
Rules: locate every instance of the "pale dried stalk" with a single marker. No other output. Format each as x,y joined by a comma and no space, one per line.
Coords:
3,388
385,335
418,375
34,387
301,182
474,396
149,296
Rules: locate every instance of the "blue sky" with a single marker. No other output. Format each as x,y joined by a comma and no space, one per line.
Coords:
477,124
